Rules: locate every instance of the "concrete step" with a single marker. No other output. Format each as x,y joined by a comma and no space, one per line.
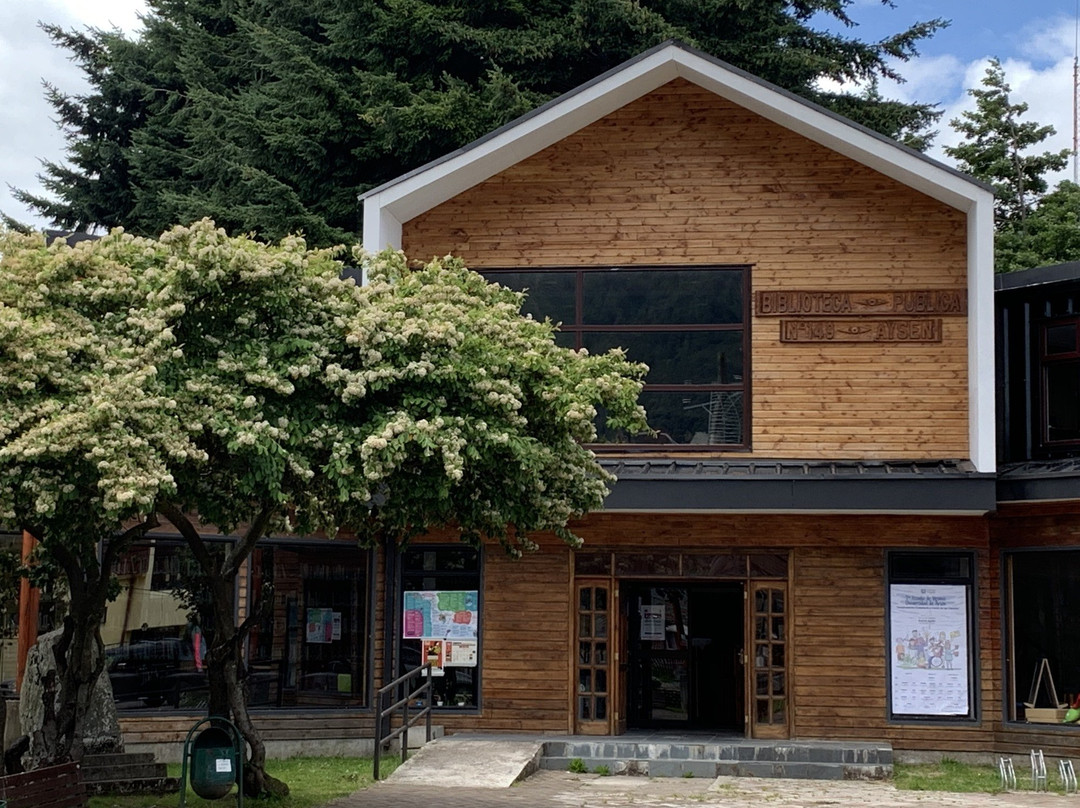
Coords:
142,785
121,772
127,773
814,760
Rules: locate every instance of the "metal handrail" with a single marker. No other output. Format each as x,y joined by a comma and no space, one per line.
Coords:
424,689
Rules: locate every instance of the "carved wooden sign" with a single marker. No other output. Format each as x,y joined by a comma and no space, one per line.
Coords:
822,303
926,329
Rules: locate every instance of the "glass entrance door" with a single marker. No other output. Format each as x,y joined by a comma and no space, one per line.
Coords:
769,713
684,646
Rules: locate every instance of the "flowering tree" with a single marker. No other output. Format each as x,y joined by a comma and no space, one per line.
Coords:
256,387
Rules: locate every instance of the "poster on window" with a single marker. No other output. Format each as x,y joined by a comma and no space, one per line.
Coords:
930,653
441,615
320,625
652,623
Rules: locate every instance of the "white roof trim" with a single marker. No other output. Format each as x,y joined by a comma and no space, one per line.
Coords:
387,207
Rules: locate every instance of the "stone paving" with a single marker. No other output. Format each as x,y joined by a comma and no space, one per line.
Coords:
566,790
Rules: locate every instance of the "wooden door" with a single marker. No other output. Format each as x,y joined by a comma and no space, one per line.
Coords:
592,670
769,686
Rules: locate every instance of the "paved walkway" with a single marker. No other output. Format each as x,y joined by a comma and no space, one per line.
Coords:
566,790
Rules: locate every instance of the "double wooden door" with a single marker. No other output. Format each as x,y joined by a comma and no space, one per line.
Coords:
681,655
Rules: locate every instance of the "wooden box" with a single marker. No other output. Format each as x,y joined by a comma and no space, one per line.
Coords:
1045,715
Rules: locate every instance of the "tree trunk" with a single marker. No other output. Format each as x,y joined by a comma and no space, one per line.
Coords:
79,658
225,669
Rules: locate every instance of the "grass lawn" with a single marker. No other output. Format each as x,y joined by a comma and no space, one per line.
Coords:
312,782
948,775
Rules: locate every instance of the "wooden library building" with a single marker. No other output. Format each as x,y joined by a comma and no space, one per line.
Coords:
858,517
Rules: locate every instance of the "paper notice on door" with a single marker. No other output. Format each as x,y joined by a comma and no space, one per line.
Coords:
652,623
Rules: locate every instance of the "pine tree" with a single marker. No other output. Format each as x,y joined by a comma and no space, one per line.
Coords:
271,116
997,149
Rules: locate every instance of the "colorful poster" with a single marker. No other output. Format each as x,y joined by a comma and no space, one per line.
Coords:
930,651
441,615
432,651
652,623
320,625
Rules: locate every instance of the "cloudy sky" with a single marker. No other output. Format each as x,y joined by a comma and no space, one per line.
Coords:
1035,40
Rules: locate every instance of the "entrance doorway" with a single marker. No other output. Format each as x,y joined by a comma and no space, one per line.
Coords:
685,646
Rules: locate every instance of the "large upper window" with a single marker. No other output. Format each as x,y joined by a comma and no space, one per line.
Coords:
688,324
1061,381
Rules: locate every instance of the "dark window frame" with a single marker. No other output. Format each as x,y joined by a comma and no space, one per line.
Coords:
579,328
1016,684
968,578
1046,362
405,572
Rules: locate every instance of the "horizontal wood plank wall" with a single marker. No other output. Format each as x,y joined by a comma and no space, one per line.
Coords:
524,641
681,176
838,601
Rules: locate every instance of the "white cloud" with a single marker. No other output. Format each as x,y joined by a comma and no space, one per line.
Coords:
28,57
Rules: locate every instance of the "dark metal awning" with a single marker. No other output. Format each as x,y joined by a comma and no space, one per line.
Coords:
793,485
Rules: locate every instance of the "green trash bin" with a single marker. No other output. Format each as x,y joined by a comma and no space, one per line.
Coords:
213,761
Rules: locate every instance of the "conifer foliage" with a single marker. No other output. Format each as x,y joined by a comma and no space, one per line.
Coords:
271,116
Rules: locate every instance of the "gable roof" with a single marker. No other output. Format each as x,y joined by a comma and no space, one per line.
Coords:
389,206
425,187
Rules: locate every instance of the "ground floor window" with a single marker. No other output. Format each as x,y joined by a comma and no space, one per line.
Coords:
441,620
309,645
1043,626
931,636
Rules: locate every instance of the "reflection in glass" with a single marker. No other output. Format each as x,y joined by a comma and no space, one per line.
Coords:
762,711
1062,395
601,707
661,295
600,625
677,357
549,293
585,680
778,716
691,418
761,601
601,599
778,655
1061,338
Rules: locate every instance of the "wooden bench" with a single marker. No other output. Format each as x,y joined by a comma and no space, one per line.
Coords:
49,787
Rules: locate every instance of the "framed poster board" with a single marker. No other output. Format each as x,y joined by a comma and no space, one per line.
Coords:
930,645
